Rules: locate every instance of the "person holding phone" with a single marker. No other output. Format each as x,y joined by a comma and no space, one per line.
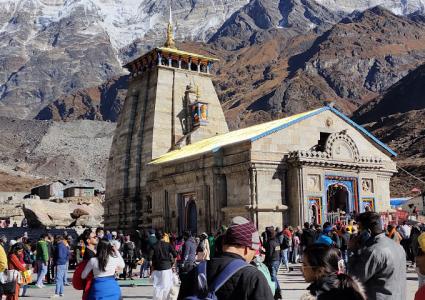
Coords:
107,262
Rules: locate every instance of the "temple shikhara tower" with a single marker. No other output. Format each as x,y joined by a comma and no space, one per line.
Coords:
175,165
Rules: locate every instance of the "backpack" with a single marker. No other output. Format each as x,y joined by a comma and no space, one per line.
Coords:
128,249
206,292
77,282
286,243
265,270
27,257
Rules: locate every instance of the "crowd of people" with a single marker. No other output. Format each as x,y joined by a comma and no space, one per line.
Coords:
357,261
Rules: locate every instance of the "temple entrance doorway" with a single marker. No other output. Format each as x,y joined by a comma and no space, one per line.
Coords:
192,218
338,198
187,213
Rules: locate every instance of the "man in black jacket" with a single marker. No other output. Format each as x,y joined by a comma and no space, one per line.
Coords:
161,255
241,242
308,236
272,259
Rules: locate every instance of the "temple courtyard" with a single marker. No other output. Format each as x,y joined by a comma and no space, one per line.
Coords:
292,284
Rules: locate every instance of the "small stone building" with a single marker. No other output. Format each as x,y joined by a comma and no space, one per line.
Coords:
79,191
52,189
174,164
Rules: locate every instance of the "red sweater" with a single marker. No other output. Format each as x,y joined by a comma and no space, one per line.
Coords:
420,294
16,263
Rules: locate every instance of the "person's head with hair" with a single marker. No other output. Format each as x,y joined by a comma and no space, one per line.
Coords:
89,237
319,260
44,236
100,233
127,237
59,238
186,235
271,234
320,267
242,238
159,234
104,250
370,221
327,224
17,249
306,225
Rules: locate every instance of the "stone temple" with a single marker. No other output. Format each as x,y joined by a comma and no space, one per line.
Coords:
175,165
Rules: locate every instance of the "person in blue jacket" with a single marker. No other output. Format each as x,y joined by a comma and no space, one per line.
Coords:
61,261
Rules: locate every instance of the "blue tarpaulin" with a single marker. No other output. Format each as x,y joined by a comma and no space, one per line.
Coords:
398,201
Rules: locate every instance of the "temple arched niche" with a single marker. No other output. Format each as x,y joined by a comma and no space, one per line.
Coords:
340,146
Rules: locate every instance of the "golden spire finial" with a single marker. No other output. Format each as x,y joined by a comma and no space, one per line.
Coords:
169,43
198,92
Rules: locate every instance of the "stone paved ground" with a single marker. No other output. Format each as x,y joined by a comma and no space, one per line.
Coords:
292,284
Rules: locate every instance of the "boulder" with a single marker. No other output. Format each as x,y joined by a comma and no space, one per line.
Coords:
78,212
44,213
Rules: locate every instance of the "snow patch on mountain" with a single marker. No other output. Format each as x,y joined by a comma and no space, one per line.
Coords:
398,7
127,20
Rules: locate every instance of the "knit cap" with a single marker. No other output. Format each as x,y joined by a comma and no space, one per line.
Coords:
242,232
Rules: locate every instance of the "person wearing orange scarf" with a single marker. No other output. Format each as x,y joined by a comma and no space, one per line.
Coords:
16,262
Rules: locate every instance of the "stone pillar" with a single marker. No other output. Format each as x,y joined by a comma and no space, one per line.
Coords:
180,63
170,62
199,67
189,65
208,67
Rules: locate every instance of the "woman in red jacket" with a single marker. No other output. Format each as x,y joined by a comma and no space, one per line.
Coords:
16,262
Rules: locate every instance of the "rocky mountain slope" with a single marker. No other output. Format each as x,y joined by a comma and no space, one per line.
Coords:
49,48
356,60
398,119
267,71
102,102
71,45
350,63
50,150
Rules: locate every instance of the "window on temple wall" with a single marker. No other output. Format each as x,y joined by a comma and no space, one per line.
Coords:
148,204
194,67
175,63
203,68
184,65
321,144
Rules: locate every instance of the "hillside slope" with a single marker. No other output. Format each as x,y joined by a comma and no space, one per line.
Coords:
398,119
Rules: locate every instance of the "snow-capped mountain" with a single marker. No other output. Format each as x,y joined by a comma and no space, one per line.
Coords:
49,48
398,7
127,20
